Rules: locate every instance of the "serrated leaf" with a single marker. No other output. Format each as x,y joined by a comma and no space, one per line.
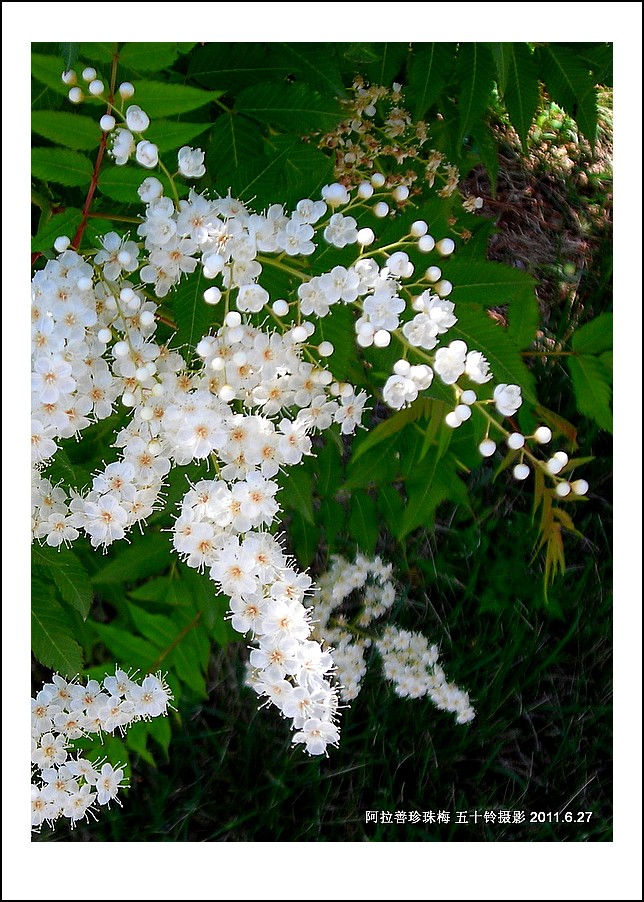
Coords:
570,84
160,730
393,424
297,493
160,98
295,108
156,628
68,51
69,575
64,223
427,487
316,64
169,135
327,466
475,72
65,167
595,336
148,554
390,506
501,53
363,522
489,284
234,140
155,590
377,466
48,70
521,94
98,51
68,129
592,385
136,740
126,648
52,638
428,69
236,65
388,64
148,57
305,538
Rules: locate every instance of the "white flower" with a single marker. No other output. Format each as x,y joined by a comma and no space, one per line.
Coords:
147,154
136,120
317,734
449,362
122,146
477,367
191,162
507,399
150,189
151,698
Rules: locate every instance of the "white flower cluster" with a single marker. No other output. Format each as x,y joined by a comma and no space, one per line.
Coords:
408,660
248,407
68,786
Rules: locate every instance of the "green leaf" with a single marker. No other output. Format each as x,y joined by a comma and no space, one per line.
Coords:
65,223
153,590
148,57
65,167
52,638
48,70
295,107
69,575
489,284
236,65
290,170
377,466
485,146
327,466
137,740
169,135
69,129
390,506
160,98
592,382
429,67
131,651
363,522
69,53
192,315
475,71
160,730
502,54
595,336
391,426
234,140
297,493
427,487
98,51
122,182
305,538
148,554
570,84
521,95
384,62
316,64
157,629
